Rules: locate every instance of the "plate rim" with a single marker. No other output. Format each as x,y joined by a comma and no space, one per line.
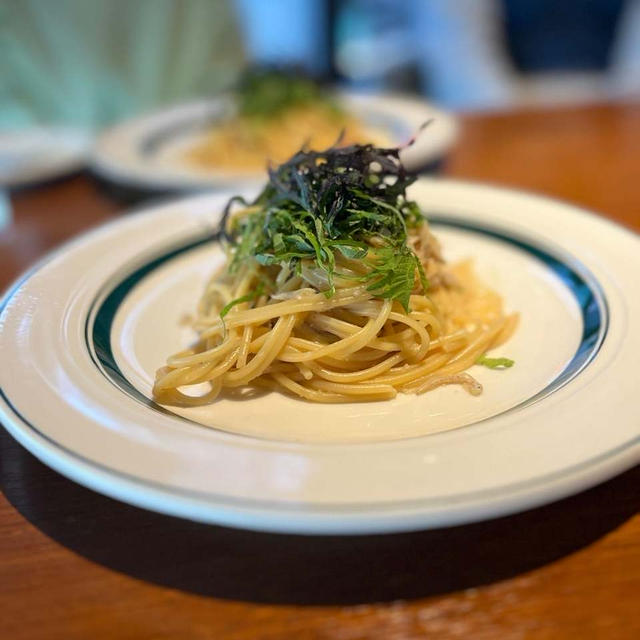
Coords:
346,519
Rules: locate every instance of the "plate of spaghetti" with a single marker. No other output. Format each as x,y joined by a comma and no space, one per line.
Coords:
344,350
229,139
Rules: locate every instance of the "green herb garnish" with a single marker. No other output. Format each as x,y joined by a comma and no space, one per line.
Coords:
267,93
495,363
350,200
252,295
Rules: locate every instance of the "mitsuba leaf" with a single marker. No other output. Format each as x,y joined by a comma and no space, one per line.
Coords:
394,277
252,295
495,363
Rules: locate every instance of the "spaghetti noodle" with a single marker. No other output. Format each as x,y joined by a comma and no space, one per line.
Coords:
346,302
245,143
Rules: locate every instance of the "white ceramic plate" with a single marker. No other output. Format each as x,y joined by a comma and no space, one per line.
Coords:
148,152
42,153
83,332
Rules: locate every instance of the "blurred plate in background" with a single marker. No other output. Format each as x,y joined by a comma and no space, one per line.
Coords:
149,152
38,154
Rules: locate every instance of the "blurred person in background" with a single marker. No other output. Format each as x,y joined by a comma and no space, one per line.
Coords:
287,33
479,54
90,63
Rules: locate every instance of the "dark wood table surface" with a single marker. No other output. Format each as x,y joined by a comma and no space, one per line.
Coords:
77,565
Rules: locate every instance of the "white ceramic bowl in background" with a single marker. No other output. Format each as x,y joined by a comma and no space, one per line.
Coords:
33,155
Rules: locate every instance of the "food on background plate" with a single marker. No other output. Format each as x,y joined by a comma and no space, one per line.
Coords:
277,112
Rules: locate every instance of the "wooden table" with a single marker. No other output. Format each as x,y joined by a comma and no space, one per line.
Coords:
76,565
